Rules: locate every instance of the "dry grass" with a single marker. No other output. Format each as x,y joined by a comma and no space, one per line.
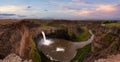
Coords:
112,25
7,21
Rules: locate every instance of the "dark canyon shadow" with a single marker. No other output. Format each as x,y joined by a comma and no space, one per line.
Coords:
59,34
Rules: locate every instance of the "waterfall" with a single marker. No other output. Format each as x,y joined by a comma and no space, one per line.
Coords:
44,37
46,41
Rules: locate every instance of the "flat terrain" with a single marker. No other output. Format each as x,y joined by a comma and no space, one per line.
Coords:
4,21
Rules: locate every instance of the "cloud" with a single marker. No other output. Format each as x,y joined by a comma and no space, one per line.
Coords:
77,4
105,7
87,10
13,8
29,7
7,14
84,12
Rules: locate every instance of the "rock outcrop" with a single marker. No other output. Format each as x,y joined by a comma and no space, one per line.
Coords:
16,38
14,58
113,58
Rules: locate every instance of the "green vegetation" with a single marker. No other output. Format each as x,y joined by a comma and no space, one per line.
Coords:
44,24
113,46
70,34
83,36
112,25
107,39
109,43
35,56
107,22
83,52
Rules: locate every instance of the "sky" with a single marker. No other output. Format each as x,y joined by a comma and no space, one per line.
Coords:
60,9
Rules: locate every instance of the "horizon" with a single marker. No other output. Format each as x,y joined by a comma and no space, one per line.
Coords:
60,9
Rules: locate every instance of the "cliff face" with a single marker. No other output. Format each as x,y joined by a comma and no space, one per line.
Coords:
14,58
18,37
107,41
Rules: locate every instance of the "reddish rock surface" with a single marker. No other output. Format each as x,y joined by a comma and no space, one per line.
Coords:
14,58
113,58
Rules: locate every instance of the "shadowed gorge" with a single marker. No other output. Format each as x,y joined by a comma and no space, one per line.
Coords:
68,49
22,37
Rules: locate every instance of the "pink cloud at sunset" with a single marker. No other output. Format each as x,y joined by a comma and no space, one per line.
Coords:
66,9
83,12
106,7
99,10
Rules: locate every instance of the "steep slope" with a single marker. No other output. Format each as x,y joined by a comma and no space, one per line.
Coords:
16,38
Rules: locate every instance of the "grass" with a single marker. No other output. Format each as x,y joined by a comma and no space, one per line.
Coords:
112,25
36,56
7,21
83,52
107,39
83,36
113,46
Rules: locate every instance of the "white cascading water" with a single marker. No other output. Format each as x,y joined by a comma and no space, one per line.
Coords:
45,41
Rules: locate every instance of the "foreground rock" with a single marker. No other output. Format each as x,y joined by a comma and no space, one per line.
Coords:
14,58
113,58
16,38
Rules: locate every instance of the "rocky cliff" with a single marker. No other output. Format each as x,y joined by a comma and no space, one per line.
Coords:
21,39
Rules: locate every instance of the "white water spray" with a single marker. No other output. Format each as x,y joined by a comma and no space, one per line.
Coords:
45,41
44,37
60,49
